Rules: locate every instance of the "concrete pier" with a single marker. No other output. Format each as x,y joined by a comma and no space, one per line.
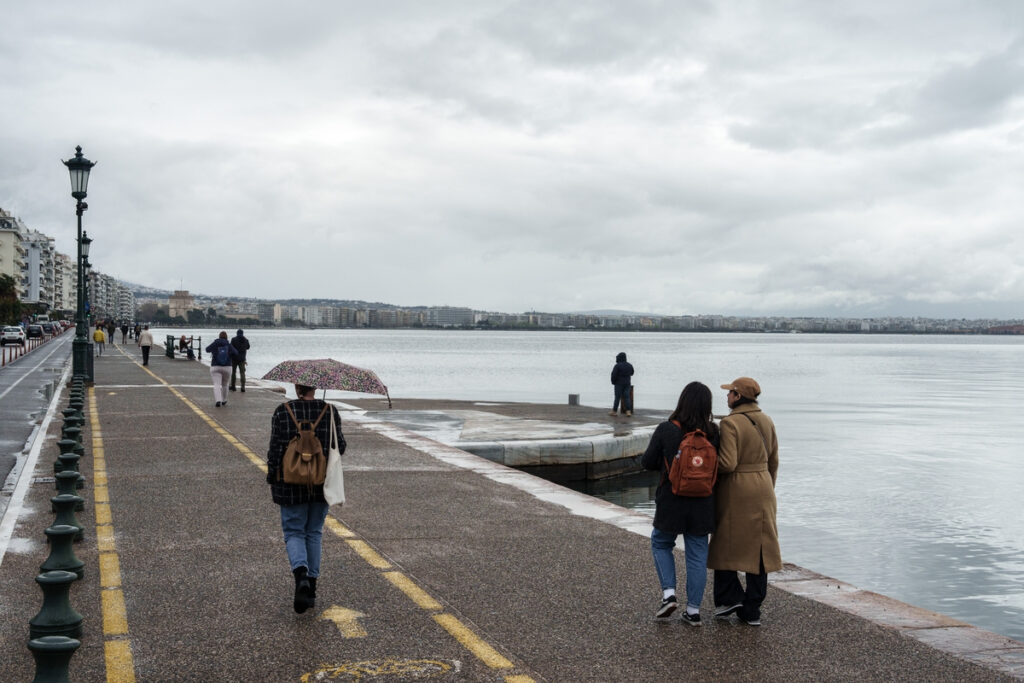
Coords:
442,564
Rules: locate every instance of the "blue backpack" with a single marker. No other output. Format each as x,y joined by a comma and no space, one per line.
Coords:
223,356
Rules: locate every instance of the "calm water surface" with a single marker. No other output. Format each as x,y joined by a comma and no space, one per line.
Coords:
901,468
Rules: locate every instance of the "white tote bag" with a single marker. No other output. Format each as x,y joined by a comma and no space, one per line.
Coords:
334,484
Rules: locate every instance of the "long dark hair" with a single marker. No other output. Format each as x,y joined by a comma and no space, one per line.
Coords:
694,409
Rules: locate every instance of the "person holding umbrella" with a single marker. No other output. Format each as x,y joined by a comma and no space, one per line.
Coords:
303,508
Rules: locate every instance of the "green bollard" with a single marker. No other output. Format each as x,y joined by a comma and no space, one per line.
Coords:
78,405
57,617
68,412
74,421
65,446
67,483
73,433
62,554
69,463
65,509
53,656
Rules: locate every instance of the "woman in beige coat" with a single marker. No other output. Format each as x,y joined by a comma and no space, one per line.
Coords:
746,537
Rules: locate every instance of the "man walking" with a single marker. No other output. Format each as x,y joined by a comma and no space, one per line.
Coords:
621,374
746,537
145,342
241,345
99,338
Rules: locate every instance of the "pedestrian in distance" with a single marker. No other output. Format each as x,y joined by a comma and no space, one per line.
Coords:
746,537
621,374
241,345
145,339
111,330
99,339
303,508
691,516
221,352
124,332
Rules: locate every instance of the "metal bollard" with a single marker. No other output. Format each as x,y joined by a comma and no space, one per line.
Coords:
62,554
56,617
67,482
73,433
65,509
65,446
53,656
69,463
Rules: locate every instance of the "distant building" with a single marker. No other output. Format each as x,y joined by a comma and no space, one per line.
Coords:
180,303
12,253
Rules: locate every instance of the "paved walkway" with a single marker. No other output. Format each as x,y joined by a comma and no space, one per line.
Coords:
442,564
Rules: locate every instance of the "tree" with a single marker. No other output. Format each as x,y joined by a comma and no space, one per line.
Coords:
10,307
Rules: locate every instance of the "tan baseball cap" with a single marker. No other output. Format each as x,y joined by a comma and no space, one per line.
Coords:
745,387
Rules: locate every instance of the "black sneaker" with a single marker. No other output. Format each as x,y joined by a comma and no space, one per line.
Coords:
723,612
692,619
668,606
756,621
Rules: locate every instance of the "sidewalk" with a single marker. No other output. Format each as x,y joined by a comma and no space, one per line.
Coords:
442,564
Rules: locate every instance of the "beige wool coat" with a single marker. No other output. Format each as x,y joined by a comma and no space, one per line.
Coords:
745,526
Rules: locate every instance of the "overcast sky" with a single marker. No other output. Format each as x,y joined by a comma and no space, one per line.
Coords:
775,157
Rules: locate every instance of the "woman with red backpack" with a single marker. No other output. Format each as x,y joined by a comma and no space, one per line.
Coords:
690,430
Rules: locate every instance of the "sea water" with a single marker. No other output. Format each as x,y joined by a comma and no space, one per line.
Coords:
901,456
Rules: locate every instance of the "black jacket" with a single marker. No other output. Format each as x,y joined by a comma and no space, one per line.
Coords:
676,514
282,429
622,370
241,345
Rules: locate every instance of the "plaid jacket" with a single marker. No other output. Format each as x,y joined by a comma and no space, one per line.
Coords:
282,429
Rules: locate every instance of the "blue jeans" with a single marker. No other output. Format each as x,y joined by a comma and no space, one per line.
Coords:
696,549
303,527
622,394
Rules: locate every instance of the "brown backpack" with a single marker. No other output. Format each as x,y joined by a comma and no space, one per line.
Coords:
304,461
694,469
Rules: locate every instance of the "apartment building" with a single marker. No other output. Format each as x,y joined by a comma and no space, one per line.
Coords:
12,253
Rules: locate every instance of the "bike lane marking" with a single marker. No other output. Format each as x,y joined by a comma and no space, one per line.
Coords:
463,634
117,649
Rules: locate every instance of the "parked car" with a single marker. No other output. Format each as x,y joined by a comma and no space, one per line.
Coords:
34,331
13,335
48,329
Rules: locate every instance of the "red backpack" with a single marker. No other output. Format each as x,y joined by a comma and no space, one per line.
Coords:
694,468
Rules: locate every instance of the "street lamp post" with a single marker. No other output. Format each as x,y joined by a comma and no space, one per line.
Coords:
79,168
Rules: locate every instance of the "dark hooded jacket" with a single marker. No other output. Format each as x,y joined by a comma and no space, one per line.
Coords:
241,345
622,371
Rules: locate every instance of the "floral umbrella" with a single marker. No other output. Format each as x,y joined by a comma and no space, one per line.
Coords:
327,373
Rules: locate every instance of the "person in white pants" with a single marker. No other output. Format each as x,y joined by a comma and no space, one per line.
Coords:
221,352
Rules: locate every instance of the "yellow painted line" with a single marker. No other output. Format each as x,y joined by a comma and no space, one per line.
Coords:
484,652
115,616
120,666
519,679
110,570
364,551
103,517
104,535
415,593
117,649
338,528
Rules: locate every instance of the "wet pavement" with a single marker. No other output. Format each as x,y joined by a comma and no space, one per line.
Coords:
441,565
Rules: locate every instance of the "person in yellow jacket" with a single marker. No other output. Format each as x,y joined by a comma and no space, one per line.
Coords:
99,339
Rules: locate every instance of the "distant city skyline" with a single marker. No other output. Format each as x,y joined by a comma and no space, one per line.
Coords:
742,158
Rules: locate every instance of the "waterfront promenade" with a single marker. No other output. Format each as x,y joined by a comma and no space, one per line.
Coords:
442,564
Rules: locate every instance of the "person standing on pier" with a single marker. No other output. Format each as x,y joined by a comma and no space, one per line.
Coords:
622,373
693,517
221,353
746,537
303,508
145,339
241,345
99,339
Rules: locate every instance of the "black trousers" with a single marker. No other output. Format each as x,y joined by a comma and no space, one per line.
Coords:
145,355
729,591
239,367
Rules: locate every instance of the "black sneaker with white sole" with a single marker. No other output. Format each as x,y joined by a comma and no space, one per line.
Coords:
725,611
692,619
668,606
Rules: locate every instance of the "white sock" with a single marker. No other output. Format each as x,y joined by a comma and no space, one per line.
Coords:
692,610
667,593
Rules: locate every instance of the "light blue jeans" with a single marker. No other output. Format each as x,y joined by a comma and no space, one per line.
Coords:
303,527
696,549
